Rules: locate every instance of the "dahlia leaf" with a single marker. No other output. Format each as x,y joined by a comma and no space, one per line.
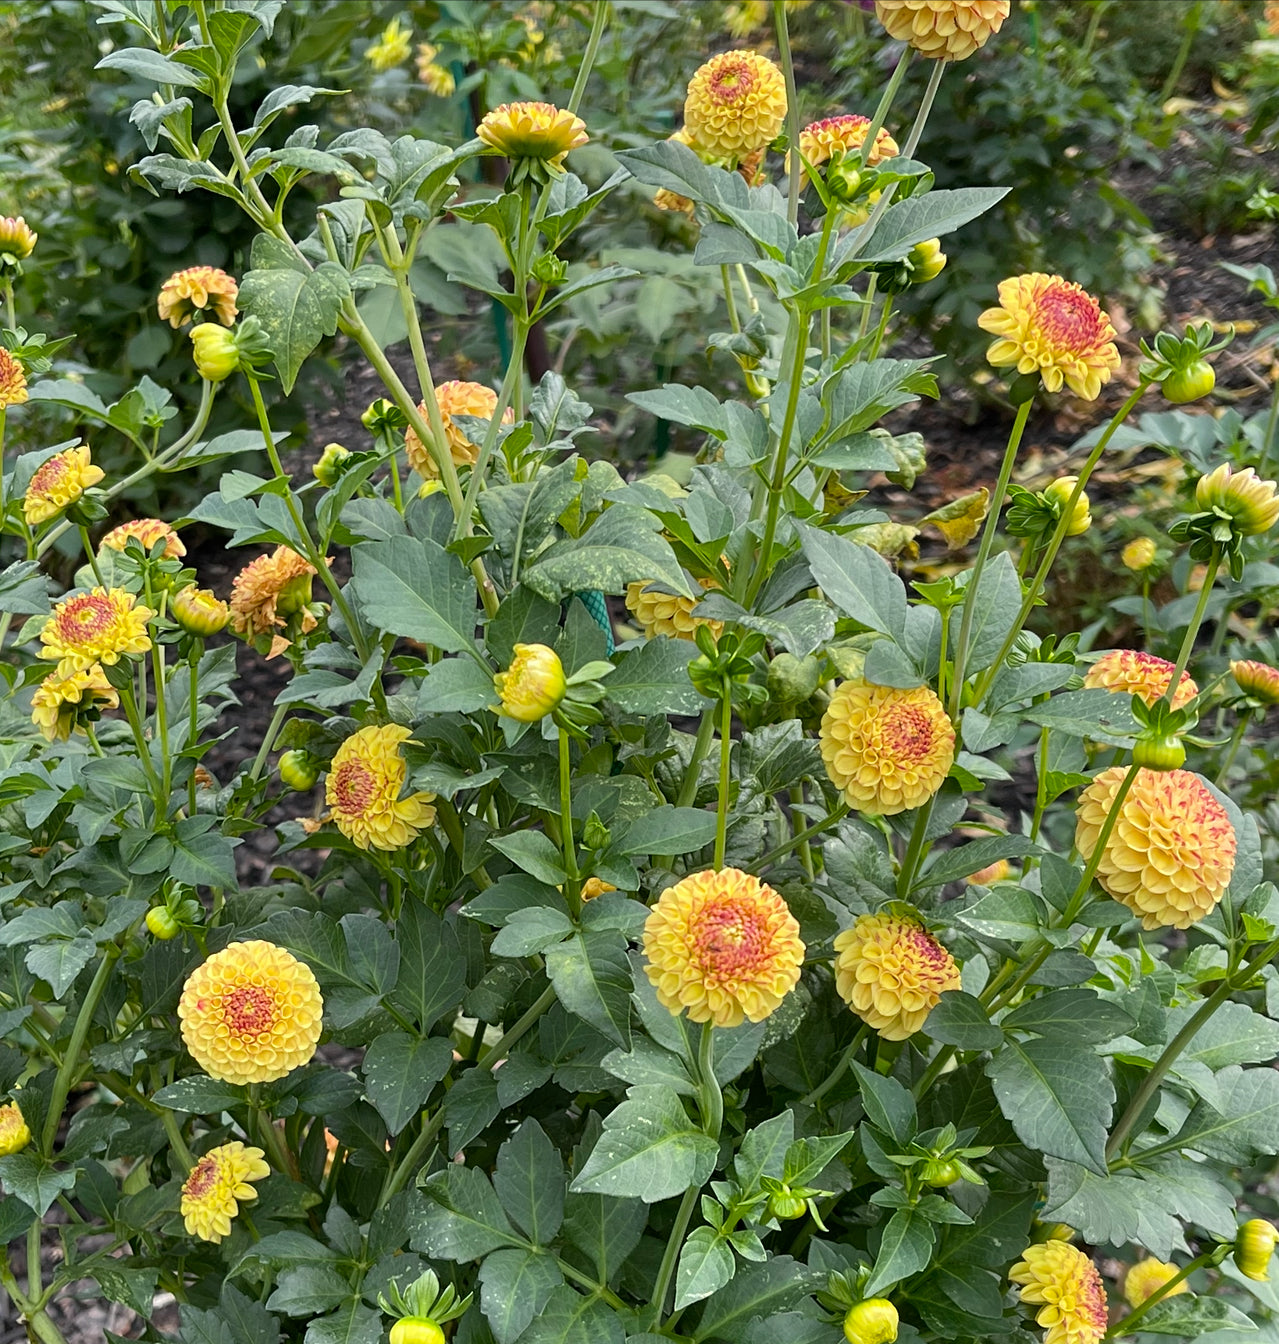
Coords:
592,978
919,218
401,1072
514,1288
857,580
961,1020
569,1317
415,588
653,679
1192,1317
763,1290
1246,1123
905,1249
705,1264
462,1217
530,1182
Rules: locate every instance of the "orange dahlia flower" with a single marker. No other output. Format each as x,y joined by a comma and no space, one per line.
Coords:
198,289
946,30
454,398
148,531
891,971
821,140
13,381
267,592
1131,672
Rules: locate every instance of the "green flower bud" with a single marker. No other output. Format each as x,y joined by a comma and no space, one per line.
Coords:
329,467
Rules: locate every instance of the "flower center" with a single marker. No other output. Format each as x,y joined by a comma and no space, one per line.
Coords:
49,475
729,938
354,786
908,733
1068,317
203,1177
927,951
733,83
248,1010
85,618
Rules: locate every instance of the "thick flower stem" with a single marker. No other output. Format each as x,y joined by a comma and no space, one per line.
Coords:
599,22
725,776
1236,741
972,592
915,851
70,1065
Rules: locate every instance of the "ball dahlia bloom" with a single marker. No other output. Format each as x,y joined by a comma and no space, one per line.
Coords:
1139,554
1131,672
669,614
891,972
736,104
1171,853
1259,680
62,705
267,592
1064,1284
58,482
454,398
532,131
946,30
100,626
198,289
363,790
889,750
148,531
13,381
14,1134
820,141
533,684
17,238
1049,326
722,947
251,1013
1250,501
1148,1276
216,1187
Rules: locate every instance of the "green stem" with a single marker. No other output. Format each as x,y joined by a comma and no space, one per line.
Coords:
725,776
886,101
796,795
1191,25
571,889
599,22
840,1069
934,1070
792,109
983,553
268,741
129,704
1192,630
174,1133
837,815
1236,741
93,559
925,107
915,850
71,1060
1268,438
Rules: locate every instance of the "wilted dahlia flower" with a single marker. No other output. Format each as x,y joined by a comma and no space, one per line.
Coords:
198,289
269,590
891,972
216,1187
251,1013
1131,672
722,947
736,104
946,30
363,790
1171,853
1064,1284
888,749
1049,326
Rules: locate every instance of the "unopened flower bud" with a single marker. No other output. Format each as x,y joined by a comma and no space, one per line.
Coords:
792,680
928,260
1254,1246
1256,679
216,355
1139,554
533,685
199,612
595,886
873,1321
299,770
383,415
329,467
548,269
1252,503
1059,493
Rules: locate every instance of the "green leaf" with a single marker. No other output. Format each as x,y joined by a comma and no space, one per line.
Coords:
649,1150
864,392
1076,1016
472,1104
59,963
1189,1317
456,685
1094,714
623,545
1057,1098
929,216
905,1248
692,406
400,1072
206,860
531,930
530,1182
669,830
1112,1210
148,65
35,1181
604,1229
199,1095
413,587
706,1264
807,1158
888,1105
857,580
773,1286
961,1020
1246,1123
535,852
296,308
352,1323
956,864
305,1290
571,1318
653,679
592,978
432,969
514,1288
995,607
462,1219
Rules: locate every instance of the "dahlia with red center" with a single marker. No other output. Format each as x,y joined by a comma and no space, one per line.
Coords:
96,627
364,786
821,140
722,947
217,1186
58,482
891,972
1049,326
1131,672
736,104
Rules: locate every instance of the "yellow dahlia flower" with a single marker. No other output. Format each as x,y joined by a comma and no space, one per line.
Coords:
1139,554
1059,493
1172,851
946,30
891,971
363,790
62,705
1066,1287
16,237
532,131
148,531
667,614
14,1134
888,749
251,1013
58,482
1148,1276
736,104
1131,672
1049,326
822,140
217,1186
437,78
1254,1246
199,611
1250,501
533,684
95,627
203,289
13,381
391,49
267,591
990,874
454,398
1258,680
722,947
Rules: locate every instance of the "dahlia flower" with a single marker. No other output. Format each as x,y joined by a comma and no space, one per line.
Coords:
13,381
532,131
148,531
1258,680
533,685
95,627
1250,501
14,1134
736,104
267,591
822,140
58,482
668,614
1064,1284
16,237
1131,672
217,1186
199,611
946,30
363,790
62,705
198,289
891,972
454,398
1148,1276
1139,554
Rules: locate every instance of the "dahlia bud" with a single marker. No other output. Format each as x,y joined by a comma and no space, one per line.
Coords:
429,488
1059,493
329,467
785,1205
383,415
1258,680
928,260
533,685
17,242
1149,1276
595,886
872,1321
1252,503
792,680
1254,1246
1159,751
199,612
14,1134
844,179
548,269
216,355
1139,554
299,770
